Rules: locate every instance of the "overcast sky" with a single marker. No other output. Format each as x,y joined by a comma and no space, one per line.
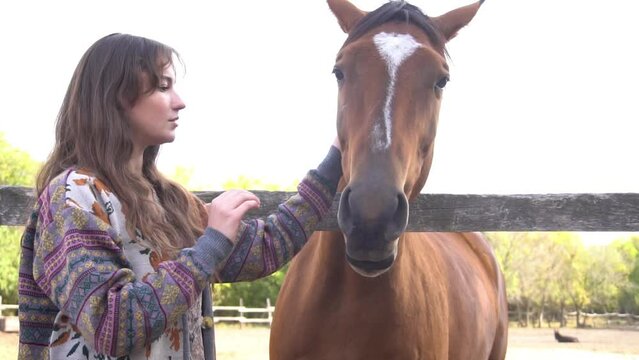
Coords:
542,98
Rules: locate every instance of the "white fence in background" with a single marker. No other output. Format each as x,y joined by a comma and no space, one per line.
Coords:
4,307
8,323
241,311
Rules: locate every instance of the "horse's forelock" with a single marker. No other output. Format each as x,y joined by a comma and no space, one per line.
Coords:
397,11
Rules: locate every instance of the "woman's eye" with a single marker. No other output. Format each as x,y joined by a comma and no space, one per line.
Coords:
339,75
442,82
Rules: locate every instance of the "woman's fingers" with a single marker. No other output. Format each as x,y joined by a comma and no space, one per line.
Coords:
247,205
227,210
234,198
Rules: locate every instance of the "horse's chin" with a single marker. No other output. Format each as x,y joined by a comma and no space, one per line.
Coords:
372,268
368,273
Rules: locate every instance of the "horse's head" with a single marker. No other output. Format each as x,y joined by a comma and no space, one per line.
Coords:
391,72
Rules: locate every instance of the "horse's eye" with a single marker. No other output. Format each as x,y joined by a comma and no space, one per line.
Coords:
339,75
442,82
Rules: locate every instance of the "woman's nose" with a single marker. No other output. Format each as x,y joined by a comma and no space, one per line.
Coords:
178,104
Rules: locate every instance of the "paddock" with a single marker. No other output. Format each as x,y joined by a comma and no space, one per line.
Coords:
251,343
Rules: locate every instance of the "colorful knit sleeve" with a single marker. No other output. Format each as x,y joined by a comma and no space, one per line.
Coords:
265,245
35,310
79,264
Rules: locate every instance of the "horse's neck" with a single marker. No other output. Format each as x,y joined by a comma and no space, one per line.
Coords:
328,252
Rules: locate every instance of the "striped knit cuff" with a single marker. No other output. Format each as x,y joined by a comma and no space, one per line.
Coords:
330,169
211,249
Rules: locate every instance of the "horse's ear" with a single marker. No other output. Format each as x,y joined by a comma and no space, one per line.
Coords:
450,23
346,13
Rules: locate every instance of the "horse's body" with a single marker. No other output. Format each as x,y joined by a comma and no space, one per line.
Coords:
440,300
372,291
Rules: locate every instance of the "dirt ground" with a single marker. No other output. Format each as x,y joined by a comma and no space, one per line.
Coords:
8,345
251,343
594,344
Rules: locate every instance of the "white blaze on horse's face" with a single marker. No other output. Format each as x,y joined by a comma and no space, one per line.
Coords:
394,49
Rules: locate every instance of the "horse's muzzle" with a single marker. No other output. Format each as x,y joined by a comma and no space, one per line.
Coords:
372,219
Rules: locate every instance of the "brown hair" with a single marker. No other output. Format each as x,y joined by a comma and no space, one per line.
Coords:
92,132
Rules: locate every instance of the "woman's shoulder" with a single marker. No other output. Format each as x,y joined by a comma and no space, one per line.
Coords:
78,187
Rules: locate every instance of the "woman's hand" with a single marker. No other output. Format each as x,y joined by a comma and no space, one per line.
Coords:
227,210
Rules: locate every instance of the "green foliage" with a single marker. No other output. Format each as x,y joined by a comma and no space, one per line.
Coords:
629,293
548,274
16,166
182,175
631,251
252,293
9,263
604,285
246,183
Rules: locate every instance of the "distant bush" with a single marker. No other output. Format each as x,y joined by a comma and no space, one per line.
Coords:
9,263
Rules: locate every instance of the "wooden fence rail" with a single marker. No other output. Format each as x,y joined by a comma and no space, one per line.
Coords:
444,212
605,315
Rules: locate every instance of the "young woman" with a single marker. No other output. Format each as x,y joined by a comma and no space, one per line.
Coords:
117,260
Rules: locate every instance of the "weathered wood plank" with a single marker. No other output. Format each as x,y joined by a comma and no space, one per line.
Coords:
445,212
15,204
532,212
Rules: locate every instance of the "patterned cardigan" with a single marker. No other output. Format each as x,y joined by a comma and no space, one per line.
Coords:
81,292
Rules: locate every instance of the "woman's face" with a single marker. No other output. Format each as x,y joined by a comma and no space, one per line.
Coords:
154,116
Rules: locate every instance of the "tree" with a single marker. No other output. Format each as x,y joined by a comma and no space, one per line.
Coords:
9,263
629,292
606,276
16,168
508,249
182,175
531,263
251,293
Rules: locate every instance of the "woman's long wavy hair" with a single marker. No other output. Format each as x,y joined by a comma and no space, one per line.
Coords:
93,132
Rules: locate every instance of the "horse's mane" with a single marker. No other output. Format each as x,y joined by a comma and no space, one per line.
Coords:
397,11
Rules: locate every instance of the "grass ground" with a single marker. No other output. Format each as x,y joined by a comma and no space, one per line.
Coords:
251,343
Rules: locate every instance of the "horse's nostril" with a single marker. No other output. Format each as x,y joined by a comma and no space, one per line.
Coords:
344,219
402,209
400,218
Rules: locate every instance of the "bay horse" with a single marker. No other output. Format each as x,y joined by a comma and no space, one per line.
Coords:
372,290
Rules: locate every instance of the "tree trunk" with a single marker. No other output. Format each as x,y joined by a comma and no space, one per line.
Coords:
520,320
540,319
578,316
